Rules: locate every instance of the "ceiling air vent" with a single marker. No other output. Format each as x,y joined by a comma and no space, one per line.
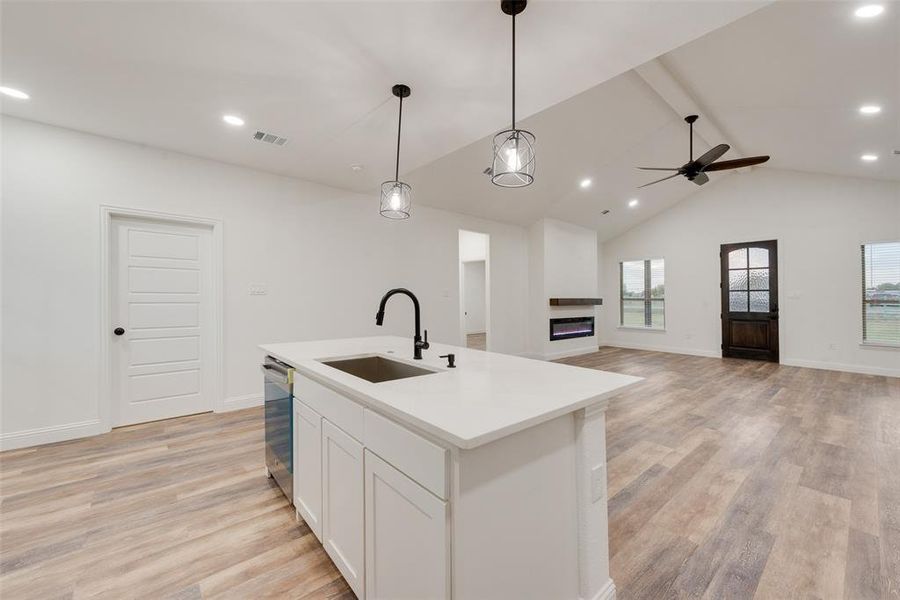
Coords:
270,138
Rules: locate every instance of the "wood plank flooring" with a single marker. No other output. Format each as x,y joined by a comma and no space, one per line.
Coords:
476,341
178,509
742,479
727,479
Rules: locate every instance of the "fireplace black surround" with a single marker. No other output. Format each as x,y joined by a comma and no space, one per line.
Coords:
571,327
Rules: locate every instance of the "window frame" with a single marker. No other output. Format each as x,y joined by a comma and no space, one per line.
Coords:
647,298
864,302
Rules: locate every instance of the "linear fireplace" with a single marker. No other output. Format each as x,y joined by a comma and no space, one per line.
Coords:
571,327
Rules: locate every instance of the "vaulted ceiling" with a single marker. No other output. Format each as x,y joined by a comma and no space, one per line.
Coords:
320,73
758,84
786,79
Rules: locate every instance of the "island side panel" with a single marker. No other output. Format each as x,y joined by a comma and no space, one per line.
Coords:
515,517
595,582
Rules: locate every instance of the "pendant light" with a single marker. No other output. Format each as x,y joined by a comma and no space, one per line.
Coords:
513,164
396,196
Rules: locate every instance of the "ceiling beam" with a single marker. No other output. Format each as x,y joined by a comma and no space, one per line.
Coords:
661,80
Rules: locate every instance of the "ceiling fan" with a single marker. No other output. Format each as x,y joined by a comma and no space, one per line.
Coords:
696,170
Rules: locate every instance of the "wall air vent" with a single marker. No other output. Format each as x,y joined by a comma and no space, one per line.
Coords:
270,138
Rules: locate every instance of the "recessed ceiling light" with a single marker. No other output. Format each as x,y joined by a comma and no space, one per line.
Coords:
233,120
14,93
633,202
870,109
586,182
869,10
869,157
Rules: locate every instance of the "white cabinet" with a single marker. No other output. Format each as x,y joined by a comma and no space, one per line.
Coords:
342,504
406,537
308,466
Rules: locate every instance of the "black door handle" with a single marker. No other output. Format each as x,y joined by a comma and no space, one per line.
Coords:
118,331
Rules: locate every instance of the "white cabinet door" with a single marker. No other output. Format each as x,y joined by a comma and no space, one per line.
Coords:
342,507
406,537
308,466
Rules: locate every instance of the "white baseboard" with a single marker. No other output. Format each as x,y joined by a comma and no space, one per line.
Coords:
50,435
653,348
607,592
556,355
239,402
569,353
829,366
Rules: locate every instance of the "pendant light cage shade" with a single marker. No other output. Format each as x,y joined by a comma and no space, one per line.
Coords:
513,164
396,200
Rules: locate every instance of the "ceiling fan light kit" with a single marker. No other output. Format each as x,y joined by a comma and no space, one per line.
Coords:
696,170
513,158
396,196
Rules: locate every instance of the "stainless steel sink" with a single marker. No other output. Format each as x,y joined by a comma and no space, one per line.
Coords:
376,369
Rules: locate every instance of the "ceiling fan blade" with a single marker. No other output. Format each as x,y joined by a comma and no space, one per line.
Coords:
736,163
658,169
701,178
711,156
658,180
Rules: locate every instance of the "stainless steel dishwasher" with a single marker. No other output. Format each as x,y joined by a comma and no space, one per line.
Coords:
279,413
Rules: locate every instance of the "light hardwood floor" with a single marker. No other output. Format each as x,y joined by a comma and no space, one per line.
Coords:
742,479
727,479
476,341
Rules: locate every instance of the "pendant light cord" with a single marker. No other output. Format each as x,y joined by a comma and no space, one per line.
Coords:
513,72
399,124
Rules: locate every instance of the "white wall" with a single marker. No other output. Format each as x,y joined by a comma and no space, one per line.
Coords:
563,264
325,254
819,222
474,298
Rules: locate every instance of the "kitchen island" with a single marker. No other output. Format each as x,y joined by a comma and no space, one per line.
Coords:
487,480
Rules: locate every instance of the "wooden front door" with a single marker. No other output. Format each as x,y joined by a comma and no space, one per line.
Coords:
750,300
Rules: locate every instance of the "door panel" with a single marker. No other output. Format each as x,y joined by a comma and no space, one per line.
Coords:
406,537
343,525
750,300
308,466
162,286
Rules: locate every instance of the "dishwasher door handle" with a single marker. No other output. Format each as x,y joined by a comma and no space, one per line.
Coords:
278,374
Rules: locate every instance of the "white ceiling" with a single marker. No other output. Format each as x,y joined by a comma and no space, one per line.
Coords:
163,73
601,134
786,81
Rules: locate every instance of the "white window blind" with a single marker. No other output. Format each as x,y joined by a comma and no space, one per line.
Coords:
642,298
881,293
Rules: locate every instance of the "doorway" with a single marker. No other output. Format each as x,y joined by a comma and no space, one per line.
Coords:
161,326
749,284
474,289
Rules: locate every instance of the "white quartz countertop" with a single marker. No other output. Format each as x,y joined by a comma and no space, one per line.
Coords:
487,397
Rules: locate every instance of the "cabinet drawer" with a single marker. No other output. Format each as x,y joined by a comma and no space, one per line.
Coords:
343,412
419,459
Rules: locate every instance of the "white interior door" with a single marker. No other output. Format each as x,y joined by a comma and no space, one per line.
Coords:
162,298
474,293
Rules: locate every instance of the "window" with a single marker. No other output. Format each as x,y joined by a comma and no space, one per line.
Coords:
642,299
748,280
881,293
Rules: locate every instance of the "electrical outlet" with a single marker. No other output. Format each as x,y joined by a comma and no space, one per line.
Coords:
258,289
598,483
